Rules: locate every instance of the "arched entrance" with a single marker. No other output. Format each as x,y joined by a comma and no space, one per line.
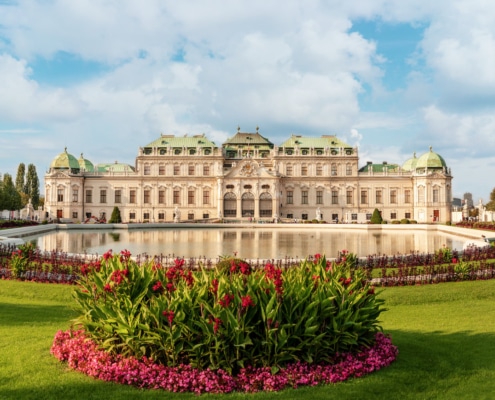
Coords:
229,205
266,205
247,204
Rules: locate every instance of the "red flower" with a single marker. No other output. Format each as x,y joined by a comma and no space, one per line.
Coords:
170,287
107,255
245,268
247,301
107,288
158,287
217,323
214,286
125,255
317,257
226,300
169,314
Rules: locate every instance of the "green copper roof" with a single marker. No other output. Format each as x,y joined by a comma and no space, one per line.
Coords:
321,142
85,165
379,168
248,139
65,161
431,160
410,165
115,167
184,141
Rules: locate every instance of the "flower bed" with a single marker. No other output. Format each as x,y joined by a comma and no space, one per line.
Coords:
82,354
231,327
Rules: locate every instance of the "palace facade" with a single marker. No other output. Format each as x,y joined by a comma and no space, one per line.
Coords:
248,177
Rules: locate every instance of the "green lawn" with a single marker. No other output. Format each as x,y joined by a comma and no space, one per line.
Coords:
445,334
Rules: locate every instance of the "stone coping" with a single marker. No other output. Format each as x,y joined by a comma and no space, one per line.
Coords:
475,234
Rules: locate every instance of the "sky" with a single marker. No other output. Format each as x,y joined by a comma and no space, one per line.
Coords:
393,78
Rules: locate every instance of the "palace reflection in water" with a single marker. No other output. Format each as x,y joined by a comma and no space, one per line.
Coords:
247,243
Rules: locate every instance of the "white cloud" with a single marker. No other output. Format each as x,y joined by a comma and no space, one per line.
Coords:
23,99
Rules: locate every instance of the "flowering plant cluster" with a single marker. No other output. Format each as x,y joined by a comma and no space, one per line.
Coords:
229,317
83,355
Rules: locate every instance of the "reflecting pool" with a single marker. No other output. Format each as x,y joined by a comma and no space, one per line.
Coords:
246,243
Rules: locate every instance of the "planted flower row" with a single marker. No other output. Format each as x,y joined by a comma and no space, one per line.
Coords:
82,354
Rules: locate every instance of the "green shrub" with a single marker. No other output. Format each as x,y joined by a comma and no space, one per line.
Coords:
404,221
115,218
228,317
376,218
395,221
413,221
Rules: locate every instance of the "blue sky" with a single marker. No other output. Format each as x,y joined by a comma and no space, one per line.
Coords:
391,77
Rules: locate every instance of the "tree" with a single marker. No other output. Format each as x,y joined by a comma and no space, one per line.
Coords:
376,218
11,199
115,217
20,186
490,206
32,187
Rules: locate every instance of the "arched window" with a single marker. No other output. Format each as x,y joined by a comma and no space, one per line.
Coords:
229,205
247,204
265,205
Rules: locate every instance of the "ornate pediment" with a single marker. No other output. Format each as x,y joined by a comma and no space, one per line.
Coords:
248,168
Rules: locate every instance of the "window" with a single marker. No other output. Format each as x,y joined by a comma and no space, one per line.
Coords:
147,169
265,187
393,215
146,196
60,194
103,196
393,196
368,216
132,215
304,170
176,169
319,197
206,197
348,169
89,196
75,195
176,197
190,216
288,170
290,215
206,216
349,197
364,196
118,196
190,197
190,169
161,216
304,217
132,196
378,198
335,197
161,197
304,197
435,195
407,196
146,216
319,170
161,169
290,197
206,170
334,169
353,217
408,215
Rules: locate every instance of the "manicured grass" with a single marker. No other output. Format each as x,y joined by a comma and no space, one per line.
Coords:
445,334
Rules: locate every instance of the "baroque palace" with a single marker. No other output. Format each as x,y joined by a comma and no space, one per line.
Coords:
248,178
